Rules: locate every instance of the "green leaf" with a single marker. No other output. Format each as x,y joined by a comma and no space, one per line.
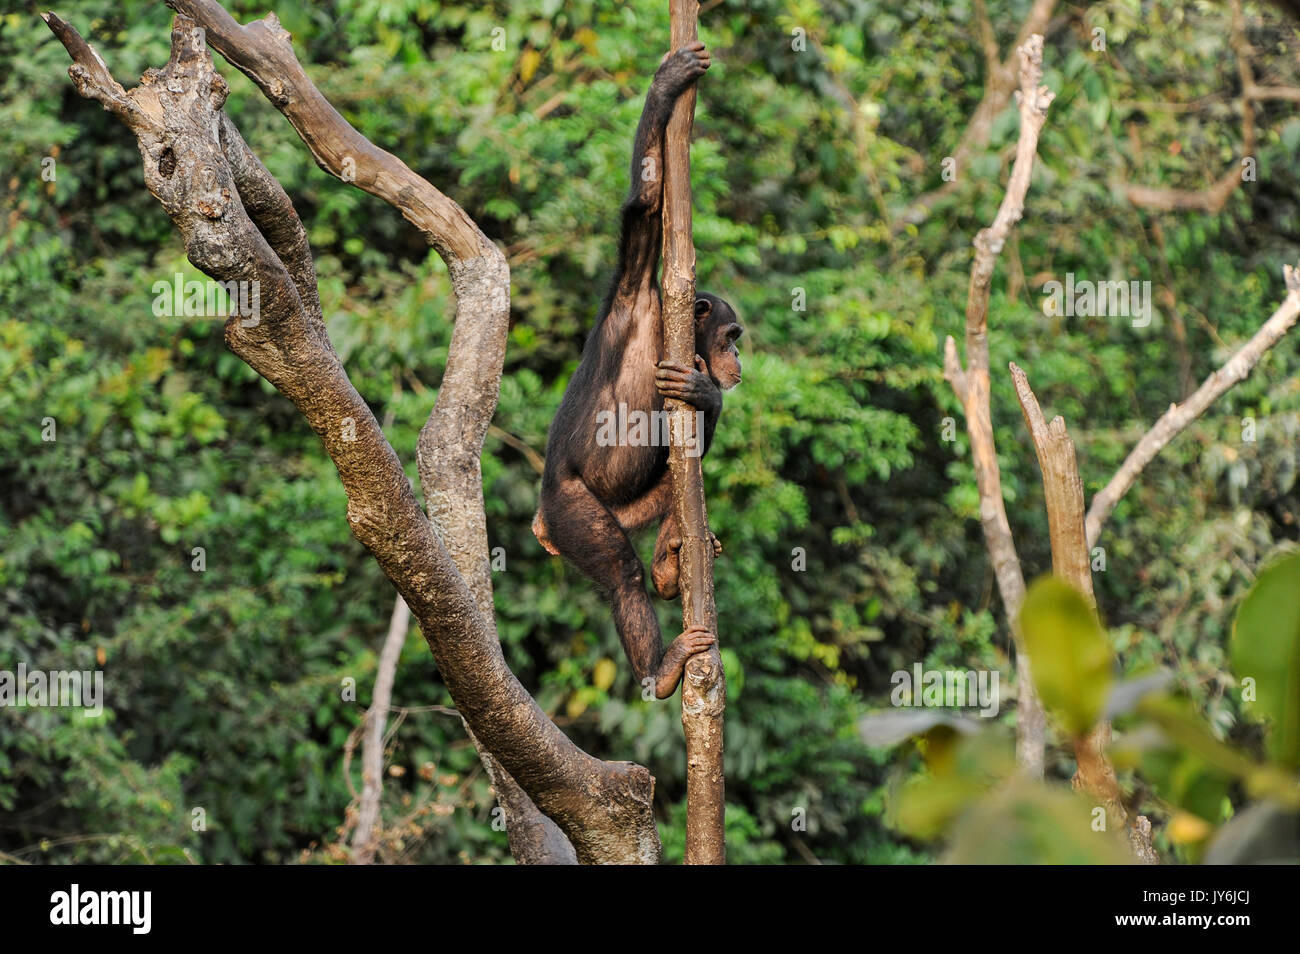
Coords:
885,729
1125,696
1264,833
1027,822
1069,652
1266,648
959,777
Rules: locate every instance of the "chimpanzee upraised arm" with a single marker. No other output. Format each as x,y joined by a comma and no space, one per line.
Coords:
642,228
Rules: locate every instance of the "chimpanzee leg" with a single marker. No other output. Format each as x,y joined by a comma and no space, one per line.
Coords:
586,533
647,508
641,512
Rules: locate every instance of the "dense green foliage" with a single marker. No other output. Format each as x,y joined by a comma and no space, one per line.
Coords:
223,686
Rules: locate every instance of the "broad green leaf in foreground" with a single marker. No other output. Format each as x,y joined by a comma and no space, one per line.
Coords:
1266,648
1069,653
1029,823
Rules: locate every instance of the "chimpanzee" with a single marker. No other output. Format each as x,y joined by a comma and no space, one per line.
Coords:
593,494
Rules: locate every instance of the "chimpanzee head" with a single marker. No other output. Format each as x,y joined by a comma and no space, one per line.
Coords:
716,331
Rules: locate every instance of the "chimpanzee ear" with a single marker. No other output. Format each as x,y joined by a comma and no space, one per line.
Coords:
702,309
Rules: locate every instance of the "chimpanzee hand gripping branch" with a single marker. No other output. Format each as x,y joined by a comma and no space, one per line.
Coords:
594,494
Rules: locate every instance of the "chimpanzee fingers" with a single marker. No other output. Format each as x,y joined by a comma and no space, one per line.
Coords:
676,384
694,58
678,394
667,365
675,544
673,380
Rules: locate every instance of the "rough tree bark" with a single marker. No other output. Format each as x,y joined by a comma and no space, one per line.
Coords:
239,225
1063,493
972,388
704,688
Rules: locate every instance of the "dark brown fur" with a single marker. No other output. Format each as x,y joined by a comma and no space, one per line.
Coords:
593,495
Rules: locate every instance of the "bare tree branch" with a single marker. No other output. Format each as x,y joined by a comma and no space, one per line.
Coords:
262,50
1178,417
1260,94
972,388
365,839
1062,488
453,436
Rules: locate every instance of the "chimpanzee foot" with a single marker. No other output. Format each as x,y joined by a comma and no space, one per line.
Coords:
665,569
696,639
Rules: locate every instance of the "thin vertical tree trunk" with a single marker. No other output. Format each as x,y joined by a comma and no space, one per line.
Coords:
704,689
972,387
366,838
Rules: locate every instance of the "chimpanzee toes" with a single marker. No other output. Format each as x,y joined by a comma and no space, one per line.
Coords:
697,639
664,575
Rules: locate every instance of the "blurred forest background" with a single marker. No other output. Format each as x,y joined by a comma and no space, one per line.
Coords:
223,686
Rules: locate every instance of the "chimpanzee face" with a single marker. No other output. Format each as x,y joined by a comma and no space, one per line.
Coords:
716,330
